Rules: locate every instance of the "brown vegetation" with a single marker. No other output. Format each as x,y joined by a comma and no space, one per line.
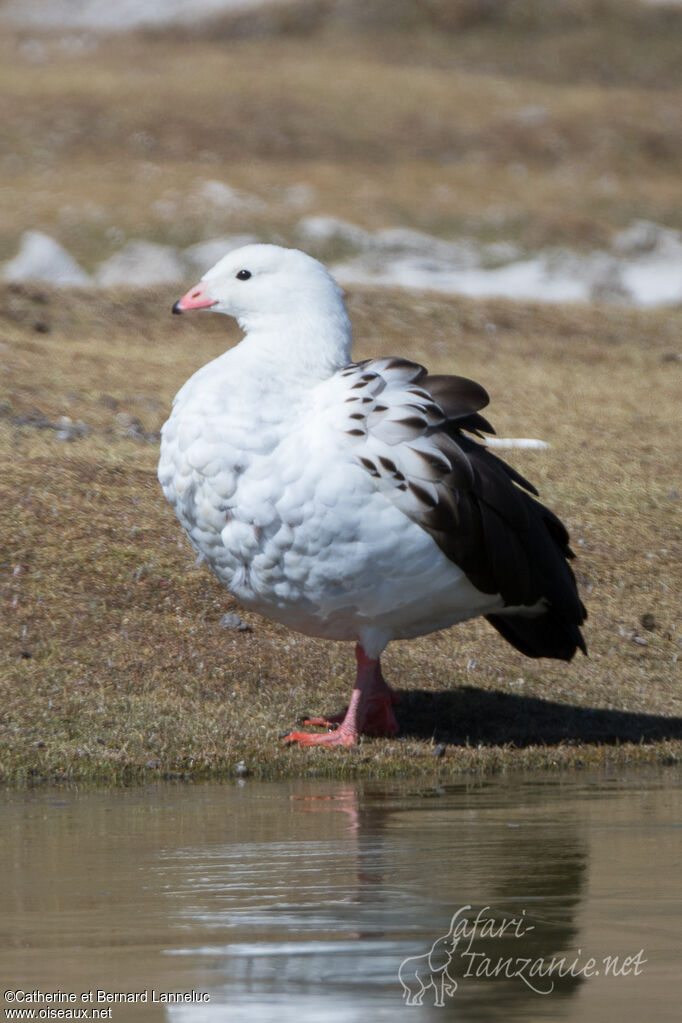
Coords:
490,119
115,666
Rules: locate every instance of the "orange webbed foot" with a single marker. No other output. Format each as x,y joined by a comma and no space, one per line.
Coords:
370,711
338,737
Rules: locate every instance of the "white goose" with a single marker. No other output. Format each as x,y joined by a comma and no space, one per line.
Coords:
344,499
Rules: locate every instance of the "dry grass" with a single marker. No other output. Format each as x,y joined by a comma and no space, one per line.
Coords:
507,126
114,665
539,123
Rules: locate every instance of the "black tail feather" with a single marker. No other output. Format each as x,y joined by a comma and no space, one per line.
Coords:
546,635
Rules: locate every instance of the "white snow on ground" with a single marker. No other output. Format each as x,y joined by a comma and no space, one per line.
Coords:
523,280
141,265
644,282
41,258
643,267
119,15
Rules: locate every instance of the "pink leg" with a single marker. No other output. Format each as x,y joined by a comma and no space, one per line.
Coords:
370,710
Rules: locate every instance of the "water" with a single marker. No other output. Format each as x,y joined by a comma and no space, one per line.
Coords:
300,901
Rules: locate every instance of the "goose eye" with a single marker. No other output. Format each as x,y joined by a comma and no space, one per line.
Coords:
243,275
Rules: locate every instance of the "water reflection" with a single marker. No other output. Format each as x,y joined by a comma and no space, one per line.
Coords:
382,874
310,900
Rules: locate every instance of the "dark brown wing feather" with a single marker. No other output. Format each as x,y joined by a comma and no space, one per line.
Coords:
480,511
461,400
507,542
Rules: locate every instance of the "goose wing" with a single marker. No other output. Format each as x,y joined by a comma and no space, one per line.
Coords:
420,438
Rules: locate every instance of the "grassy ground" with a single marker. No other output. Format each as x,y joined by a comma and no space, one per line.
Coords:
114,665
536,130
496,120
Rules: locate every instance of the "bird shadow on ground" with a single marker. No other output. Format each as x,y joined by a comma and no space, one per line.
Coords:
472,716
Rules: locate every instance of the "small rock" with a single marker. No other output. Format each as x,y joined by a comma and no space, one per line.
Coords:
141,265
34,418
233,621
68,430
648,622
606,280
644,237
41,258
130,426
323,229
404,241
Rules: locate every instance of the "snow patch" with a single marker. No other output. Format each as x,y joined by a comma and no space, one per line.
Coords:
643,268
121,15
41,258
142,265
